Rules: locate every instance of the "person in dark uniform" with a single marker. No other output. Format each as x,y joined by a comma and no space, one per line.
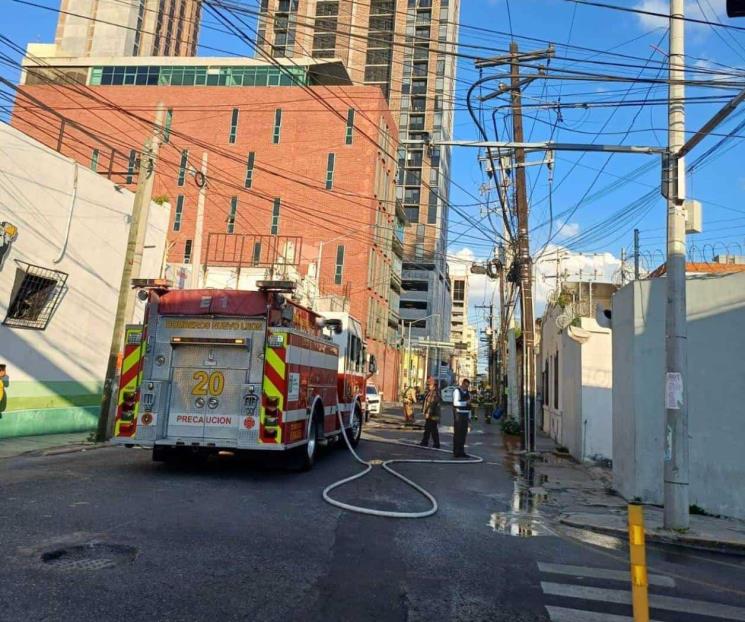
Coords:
461,415
431,412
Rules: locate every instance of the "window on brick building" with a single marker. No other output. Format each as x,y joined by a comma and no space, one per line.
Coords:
339,270
131,166
167,126
256,257
250,169
182,167
350,127
277,126
187,251
330,171
231,215
275,216
94,160
233,126
179,214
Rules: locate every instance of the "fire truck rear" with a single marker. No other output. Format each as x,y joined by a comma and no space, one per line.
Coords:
241,370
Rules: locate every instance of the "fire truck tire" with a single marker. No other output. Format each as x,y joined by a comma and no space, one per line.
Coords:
306,455
354,432
161,453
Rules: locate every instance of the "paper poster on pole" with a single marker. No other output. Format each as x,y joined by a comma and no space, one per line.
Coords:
674,391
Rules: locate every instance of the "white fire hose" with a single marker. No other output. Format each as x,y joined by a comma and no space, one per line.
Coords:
386,465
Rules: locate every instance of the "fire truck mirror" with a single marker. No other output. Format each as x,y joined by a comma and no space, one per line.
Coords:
373,364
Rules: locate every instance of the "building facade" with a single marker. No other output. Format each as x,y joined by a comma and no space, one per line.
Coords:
265,180
462,334
715,341
576,371
133,28
407,50
63,238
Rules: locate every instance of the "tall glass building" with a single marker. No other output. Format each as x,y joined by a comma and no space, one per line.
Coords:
405,47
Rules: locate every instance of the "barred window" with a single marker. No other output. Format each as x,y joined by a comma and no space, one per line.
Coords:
36,295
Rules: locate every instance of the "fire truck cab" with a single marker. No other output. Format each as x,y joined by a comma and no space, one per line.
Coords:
242,370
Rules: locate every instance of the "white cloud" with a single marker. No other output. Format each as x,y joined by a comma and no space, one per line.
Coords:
692,10
568,230
598,267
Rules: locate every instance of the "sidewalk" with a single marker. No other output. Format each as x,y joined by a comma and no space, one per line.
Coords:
582,496
46,444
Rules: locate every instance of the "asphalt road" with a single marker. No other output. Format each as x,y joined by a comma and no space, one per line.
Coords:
232,540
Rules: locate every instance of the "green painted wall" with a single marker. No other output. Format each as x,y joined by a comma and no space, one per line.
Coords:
35,407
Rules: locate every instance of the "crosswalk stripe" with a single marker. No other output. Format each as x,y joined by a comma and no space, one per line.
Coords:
656,601
602,573
563,614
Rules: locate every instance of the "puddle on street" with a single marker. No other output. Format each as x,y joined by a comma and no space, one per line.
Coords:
596,539
524,518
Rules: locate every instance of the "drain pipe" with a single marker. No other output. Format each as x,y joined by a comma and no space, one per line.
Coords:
73,200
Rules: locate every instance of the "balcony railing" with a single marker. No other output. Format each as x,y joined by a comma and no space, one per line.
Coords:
257,251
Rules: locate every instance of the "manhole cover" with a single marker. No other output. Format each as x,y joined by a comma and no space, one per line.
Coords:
91,556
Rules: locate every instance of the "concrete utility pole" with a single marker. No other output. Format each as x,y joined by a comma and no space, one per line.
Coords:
197,268
132,265
636,254
490,359
676,513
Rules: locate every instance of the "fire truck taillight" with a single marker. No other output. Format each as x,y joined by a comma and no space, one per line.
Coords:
272,416
129,403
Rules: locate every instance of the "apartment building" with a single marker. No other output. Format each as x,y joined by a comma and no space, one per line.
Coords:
404,48
266,178
130,28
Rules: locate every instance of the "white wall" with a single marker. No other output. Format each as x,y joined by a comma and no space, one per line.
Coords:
597,392
716,377
35,196
583,420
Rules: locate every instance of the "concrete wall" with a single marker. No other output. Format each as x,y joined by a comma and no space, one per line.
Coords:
56,374
716,340
582,422
597,392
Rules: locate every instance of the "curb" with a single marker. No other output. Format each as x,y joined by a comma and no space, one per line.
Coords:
671,539
57,451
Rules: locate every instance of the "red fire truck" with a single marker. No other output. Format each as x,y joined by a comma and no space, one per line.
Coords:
241,370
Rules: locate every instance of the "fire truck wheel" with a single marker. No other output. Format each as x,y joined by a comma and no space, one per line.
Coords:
306,455
162,453
354,432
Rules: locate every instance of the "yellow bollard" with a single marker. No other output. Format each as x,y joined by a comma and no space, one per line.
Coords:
638,556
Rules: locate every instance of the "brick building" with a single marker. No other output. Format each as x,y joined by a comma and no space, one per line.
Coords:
407,49
282,165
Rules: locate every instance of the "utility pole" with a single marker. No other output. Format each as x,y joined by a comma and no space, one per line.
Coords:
491,370
525,263
676,512
132,265
196,277
636,254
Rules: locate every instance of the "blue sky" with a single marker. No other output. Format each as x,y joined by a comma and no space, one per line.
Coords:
720,185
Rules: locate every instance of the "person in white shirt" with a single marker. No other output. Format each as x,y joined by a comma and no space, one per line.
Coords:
461,415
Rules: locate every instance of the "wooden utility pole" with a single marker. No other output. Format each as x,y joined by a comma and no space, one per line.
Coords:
132,265
525,263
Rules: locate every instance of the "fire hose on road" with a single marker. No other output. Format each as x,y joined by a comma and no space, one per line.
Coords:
386,464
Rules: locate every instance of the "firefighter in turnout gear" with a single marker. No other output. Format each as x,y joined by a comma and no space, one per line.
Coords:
409,399
461,415
431,412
